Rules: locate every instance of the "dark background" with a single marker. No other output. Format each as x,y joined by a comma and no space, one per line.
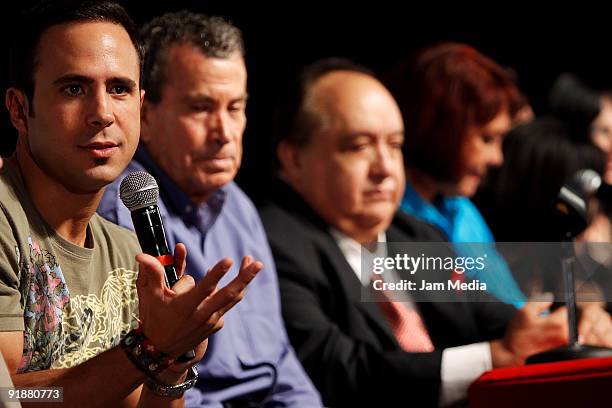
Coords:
280,38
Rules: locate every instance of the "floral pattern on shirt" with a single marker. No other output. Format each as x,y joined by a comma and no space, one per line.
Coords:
45,295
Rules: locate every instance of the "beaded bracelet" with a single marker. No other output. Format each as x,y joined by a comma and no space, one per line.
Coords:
144,354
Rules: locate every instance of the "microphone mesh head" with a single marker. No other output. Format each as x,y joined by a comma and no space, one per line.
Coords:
138,190
587,181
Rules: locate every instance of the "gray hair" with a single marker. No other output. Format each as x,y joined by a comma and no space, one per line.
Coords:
214,36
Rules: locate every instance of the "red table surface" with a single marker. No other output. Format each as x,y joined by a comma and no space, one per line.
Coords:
576,383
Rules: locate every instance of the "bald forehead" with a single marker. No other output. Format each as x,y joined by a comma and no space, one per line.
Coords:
337,86
342,96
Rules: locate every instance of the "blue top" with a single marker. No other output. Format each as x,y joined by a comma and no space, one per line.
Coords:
461,222
251,354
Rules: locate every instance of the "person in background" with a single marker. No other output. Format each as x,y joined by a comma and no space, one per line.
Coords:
586,115
586,111
193,119
341,178
457,105
540,157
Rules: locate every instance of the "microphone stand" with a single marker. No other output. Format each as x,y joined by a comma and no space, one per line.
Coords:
573,350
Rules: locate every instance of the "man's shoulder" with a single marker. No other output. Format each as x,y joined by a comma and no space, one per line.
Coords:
273,216
16,212
288,228
9,196
5,184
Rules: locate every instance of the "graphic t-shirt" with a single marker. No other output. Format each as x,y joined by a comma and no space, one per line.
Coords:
72,303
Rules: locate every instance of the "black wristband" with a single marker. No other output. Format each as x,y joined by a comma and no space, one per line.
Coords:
145,356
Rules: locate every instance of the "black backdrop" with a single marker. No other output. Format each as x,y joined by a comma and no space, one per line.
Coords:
282,37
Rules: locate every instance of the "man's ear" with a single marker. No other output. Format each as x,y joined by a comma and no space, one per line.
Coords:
290,161
145,111
18,107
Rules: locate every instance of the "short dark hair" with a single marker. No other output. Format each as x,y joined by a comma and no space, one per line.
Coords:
48,13
441,92
293,121
214,36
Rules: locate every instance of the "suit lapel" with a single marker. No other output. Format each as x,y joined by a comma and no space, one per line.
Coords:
353,288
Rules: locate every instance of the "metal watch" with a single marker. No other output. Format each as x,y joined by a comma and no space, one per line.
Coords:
174,391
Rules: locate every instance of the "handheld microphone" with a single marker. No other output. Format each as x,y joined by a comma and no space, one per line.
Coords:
139,193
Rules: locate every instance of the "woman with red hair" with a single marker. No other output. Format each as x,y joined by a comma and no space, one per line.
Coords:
457,106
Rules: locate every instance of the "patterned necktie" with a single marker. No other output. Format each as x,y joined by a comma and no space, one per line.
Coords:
406,325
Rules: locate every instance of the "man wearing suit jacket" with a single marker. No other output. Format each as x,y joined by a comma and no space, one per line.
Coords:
341,180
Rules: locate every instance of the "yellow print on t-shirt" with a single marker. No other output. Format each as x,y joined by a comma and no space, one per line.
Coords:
93,324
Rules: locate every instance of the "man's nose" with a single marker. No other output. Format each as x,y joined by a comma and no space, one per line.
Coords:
217,127
381,165
101,113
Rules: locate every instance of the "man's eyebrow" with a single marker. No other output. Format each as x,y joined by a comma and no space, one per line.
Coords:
82,79
124,81
241,98
356,134
71,78
401,133
370,135
202,97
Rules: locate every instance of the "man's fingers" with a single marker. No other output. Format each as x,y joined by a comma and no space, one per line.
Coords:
153,280
604,330
246,261
180,258
213,325
213,276
533,308
231,294
606,336
184,285
596,326
141,280
208,284
559,316
584,329
247,274
589,317
553,329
